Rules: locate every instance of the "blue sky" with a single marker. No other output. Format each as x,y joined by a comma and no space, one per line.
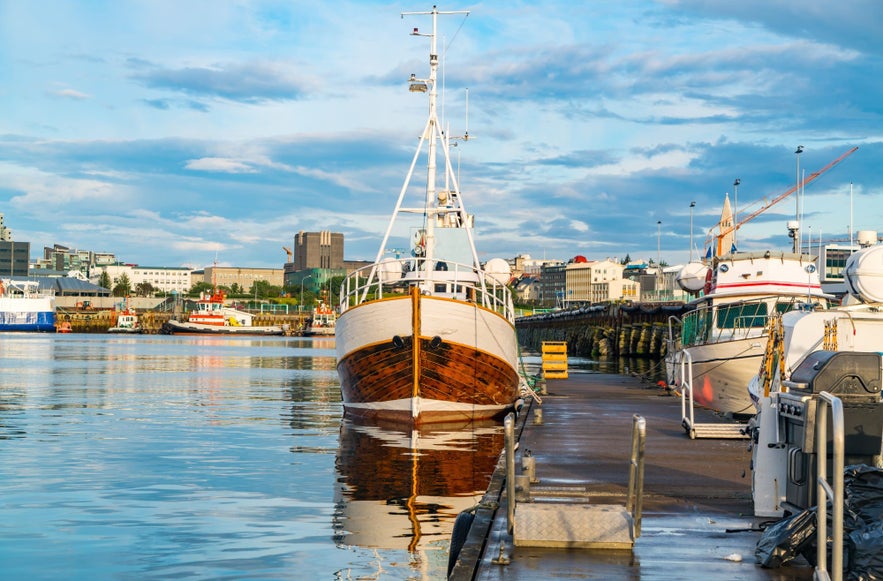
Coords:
179,133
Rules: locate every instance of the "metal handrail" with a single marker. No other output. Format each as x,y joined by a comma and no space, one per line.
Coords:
509,431
825,491
635,502
687,390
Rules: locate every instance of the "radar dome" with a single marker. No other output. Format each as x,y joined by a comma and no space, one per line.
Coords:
498,270
390,270
691,278
863,274
866,237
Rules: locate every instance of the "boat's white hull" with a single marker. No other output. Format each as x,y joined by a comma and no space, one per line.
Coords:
463,367
125,330
27,314
721,373
184,328
319,332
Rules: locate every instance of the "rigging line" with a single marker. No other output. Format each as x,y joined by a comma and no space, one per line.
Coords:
462,22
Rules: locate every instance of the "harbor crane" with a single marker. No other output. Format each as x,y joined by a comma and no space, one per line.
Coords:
288,253
766,206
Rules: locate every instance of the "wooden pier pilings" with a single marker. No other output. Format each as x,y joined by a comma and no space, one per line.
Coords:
616,330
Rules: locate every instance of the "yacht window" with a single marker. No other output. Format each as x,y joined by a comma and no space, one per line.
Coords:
741,316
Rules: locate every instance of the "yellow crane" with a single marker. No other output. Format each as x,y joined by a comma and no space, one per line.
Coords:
810,178
288,253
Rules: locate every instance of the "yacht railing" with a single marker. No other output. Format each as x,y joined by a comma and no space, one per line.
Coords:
740,319
461,281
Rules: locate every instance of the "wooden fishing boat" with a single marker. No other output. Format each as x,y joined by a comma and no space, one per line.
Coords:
429,337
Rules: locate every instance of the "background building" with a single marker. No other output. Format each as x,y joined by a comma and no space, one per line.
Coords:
62,258
166,279
245,278
318,257
318,250
14,258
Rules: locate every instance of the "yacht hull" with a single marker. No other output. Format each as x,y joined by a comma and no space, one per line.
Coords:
721,373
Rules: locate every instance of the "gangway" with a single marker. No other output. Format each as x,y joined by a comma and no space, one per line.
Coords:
563,516
716,430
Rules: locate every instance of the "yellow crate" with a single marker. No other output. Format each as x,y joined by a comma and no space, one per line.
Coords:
555,359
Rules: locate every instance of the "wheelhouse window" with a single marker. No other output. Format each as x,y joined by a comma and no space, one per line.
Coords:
742,316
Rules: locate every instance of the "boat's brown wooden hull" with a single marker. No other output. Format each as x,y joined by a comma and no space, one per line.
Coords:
478,385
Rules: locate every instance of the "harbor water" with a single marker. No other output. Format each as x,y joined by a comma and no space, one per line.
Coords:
157,457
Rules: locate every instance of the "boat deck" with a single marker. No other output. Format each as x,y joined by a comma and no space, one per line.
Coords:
697,520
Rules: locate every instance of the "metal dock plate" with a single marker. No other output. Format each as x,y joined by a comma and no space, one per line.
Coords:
590,526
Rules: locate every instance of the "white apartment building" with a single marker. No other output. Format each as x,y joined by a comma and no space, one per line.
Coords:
597,281
162,278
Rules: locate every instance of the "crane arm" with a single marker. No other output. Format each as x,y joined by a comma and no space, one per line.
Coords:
810,178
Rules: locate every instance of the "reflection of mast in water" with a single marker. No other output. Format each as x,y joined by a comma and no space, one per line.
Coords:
432,474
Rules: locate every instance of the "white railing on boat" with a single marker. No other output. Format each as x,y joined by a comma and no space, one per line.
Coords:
445,279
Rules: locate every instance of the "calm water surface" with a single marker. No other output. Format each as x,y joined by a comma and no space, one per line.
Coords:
156,457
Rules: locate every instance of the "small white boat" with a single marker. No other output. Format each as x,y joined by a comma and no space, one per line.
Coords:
322,322
127,321
212,316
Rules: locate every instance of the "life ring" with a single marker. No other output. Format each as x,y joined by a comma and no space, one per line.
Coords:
707,288
458,537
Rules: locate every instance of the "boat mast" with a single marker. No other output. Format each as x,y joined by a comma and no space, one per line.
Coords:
433,135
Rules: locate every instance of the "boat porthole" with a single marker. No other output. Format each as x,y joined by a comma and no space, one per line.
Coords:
435,342
397,342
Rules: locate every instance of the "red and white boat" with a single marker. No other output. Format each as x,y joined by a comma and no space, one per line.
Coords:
431,337
323,321
213,316
127,321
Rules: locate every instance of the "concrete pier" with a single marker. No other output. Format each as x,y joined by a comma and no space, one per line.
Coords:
697,509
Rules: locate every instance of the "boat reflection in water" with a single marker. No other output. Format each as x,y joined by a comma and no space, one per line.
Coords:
401,489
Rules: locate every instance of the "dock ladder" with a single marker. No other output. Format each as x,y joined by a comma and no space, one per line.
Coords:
702,430
537,516
555,359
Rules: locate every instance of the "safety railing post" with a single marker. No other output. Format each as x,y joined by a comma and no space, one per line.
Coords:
635,502
509,431
687,388
825,491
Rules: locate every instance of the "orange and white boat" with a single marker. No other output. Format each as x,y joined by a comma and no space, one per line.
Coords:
430,337
127,321
323,321
213,316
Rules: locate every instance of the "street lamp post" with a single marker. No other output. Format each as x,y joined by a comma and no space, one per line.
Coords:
658,257
692,205
735,207
658,242
797,213
302,281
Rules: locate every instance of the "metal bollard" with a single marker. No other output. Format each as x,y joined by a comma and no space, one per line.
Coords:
529,465
538,416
